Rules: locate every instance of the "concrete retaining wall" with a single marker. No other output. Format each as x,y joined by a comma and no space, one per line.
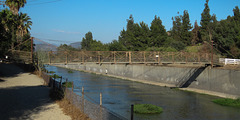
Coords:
213,80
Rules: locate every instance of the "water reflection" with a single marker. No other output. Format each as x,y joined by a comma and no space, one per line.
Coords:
119,94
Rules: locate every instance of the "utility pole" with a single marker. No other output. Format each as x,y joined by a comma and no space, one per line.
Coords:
210,37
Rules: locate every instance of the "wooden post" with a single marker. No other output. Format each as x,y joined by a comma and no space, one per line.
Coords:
158,57
132,110
82,90
60,83
99,58
114,55
82,99
101,99
130,57
72,86
172,57
186,58
199,58
144,57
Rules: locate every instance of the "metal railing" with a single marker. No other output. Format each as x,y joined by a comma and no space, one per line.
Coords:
141,57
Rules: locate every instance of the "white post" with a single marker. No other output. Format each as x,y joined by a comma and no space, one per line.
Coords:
100,99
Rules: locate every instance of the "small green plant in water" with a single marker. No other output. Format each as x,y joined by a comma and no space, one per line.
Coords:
55,76
67,84
51,72
70,71
147,109
228,102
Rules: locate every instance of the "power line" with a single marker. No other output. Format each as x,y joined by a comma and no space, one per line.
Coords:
44,2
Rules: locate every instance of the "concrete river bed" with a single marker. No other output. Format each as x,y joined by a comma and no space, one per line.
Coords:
119,94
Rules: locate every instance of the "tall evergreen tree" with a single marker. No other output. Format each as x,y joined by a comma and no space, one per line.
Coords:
86,42
176,29
186,35
196,34
205,21
158,33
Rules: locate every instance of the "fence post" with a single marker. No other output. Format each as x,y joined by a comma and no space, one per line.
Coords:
60,84
130,57
72,86
172,57
99,58
159,58
82,99
199,57
101,99
132,110
144,57
114,54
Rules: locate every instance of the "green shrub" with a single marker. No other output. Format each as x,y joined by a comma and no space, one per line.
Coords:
228,102
70,71
147,109
67,84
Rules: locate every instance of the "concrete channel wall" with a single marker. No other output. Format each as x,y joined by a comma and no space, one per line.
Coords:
220,82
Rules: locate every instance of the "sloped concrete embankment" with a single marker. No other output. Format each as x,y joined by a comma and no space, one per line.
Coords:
219,82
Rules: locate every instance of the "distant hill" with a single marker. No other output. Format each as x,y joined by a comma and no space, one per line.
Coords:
76,45
45,47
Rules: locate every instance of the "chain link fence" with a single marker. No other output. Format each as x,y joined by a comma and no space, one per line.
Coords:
83,102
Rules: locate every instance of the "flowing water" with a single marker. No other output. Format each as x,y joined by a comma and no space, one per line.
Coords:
119,94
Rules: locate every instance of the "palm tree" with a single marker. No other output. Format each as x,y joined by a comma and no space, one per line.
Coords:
23,25
15,5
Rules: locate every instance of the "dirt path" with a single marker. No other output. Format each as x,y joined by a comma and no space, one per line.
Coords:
22,96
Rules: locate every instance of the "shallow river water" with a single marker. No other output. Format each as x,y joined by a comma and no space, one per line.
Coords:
119,94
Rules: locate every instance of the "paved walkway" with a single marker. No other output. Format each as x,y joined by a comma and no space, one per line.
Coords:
22,96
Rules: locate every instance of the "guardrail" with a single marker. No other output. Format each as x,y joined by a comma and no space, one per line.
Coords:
229,61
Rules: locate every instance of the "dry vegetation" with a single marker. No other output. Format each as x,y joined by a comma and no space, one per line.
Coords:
71,110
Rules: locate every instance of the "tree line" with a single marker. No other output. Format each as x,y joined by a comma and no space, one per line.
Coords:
14,28
224,35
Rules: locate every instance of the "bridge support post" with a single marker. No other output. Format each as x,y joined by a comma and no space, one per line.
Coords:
130,57
144,57
114,55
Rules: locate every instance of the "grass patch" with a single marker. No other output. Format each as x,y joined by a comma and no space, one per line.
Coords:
67,84
55,76
69,71
228,102
147,109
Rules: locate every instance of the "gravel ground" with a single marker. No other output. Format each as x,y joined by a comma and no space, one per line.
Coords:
22,96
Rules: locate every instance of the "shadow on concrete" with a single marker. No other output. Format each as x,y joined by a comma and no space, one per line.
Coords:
9,70
22,102
191,77
1,80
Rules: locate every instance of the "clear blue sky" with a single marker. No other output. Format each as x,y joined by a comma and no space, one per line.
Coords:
70,20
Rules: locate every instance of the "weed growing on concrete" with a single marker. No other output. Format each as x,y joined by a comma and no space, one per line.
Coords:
228,102
147,109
